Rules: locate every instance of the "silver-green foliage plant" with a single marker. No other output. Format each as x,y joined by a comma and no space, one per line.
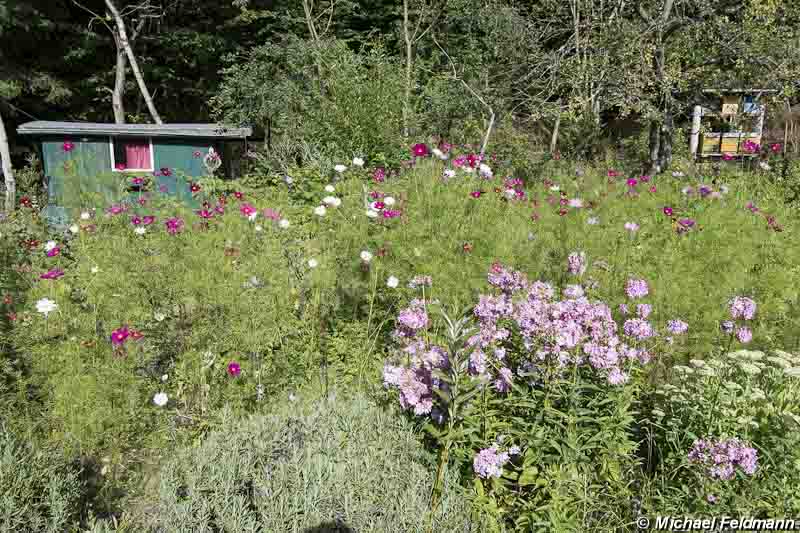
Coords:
39,490
344,462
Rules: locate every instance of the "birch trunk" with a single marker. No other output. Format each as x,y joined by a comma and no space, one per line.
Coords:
8,172
119,86
126,46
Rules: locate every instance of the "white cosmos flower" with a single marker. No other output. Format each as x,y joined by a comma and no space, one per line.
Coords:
438,153
74,228
165,377
161,399
252,216
283,223
49,245
485,170
357,161
371,213
374,206
140,230
46,306
95,270
555,188
319,210
159,316
392,282
259,228
449,173
313,263
366,256
86,215
388,201
337,202
340,168
468,169
329,188
329,200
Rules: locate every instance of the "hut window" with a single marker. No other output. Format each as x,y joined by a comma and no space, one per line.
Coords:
128,153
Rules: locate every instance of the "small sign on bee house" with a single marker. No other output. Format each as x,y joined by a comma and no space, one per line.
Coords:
730,109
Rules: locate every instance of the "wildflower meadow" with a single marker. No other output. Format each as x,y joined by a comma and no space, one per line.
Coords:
441,348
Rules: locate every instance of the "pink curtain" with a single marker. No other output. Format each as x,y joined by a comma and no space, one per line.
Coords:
137,156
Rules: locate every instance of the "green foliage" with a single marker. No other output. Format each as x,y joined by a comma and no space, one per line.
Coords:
341,461
39,489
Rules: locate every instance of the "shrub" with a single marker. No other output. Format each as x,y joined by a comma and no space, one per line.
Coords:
346,462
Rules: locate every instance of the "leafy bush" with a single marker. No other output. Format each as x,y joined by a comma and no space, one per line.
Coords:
345,462
39,490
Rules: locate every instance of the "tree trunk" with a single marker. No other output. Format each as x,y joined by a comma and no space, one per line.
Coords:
409,65
665,146
554,136
126,45
8,171
119,85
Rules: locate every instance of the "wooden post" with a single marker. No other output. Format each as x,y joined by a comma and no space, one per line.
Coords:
694,140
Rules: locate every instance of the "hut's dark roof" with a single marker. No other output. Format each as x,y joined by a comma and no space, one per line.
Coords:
42,127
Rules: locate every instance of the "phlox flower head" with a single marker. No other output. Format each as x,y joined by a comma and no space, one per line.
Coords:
677,327
576,263
742,308
489,462
636,288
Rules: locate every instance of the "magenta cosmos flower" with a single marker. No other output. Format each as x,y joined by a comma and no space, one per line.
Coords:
476,194
632,182
52,274
147,220
234,369
247,210
420,150
668,211
174,225
119,335
205,213
68,146
53,251
379,175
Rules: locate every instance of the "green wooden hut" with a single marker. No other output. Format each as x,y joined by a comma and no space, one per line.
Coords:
87,162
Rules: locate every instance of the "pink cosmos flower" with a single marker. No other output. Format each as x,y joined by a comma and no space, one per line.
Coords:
612,173
391,213
668,211
174,225
631,226
118,336
205,213
247,209
194,187
644,179
652,189
53,251
420,150
234,369
378,205
135,220
476,194
52,274
238,195
220,210
379,175
148,219
775,147
142,201
68,146
137,181
632,182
